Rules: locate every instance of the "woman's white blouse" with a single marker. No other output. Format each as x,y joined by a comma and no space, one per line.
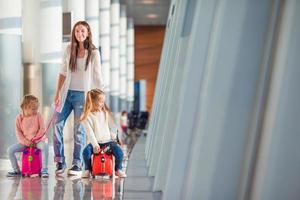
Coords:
92,77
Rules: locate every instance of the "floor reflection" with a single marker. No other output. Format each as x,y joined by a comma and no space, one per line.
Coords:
37,189
66,187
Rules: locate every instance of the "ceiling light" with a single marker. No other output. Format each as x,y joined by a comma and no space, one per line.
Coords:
152,16
148,2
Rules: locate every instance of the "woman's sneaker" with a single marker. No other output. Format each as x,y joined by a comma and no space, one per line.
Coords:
120,174
13,174
86,174
60,168
75,170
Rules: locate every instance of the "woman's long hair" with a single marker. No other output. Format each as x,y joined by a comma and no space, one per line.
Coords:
88,45
92,97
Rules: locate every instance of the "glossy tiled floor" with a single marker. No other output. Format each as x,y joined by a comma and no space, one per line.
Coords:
62,188
136,186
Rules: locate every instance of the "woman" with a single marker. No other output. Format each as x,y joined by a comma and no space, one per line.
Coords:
80,72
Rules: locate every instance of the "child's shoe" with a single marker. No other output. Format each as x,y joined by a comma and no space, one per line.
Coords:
120,174
34,175
86,174
44,174
86,182
13,174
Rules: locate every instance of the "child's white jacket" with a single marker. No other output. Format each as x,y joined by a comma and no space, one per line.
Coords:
99,129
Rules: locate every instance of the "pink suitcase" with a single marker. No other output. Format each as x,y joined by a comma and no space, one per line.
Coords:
31,161
32,156
31,188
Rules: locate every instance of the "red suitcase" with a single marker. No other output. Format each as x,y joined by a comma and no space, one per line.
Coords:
102,163
31,161
102,189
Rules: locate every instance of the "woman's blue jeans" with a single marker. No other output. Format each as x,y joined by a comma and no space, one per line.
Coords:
74,101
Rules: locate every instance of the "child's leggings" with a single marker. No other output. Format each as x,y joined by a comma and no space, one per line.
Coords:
13,149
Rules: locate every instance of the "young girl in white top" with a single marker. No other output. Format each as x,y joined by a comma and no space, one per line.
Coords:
98,121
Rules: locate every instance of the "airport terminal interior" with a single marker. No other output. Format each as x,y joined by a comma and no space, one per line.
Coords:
204,99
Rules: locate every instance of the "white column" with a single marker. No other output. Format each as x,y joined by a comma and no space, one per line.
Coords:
278,162
50,31
172,96
50,45
30,21
92,18
130,64
104,25
115,54
185,96
123,58
140,89
10,15
11,71
205,98
258,110
159,85
32,68
216,139
168,66
77,7
232,112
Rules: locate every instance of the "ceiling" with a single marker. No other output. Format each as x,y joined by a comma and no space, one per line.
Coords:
147,12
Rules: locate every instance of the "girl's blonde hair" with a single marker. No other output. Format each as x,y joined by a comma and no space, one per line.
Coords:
92,97
88,45
27,100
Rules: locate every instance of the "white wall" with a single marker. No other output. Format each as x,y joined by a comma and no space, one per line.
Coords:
224,119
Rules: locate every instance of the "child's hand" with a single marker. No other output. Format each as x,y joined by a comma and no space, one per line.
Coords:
96,149
32,144
28,143
120,143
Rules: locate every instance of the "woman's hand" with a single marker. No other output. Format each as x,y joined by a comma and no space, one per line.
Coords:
96,149
57,99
